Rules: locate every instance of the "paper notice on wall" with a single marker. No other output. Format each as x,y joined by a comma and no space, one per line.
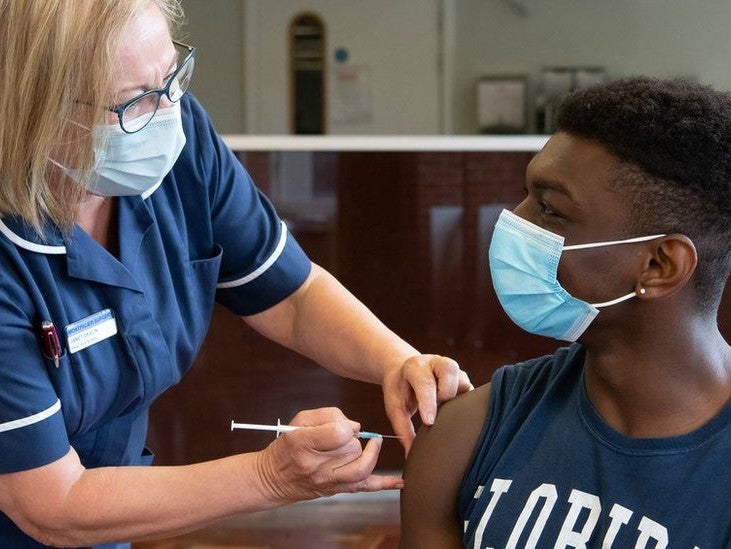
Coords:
501,105
350,94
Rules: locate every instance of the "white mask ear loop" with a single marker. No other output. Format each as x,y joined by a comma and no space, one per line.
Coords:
614,301
57,164
79,124
612,242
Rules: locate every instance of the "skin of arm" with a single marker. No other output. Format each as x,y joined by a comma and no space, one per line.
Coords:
325,322
64,504
434,472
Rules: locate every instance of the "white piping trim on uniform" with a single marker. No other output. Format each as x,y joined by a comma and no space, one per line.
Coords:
27,244
263,267
30,420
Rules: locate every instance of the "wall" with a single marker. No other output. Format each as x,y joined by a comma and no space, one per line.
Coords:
661,37
218,80
246,91
655,37
396,41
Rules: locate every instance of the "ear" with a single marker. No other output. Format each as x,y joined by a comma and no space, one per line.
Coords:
669,267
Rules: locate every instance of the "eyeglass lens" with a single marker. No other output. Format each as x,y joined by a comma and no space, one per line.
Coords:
139,113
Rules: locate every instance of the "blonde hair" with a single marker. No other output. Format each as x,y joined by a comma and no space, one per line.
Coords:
57,56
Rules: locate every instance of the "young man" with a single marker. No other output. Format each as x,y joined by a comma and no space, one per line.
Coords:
622,439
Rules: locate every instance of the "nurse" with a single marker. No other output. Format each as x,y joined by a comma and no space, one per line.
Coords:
123,219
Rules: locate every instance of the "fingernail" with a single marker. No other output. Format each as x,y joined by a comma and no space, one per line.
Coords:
430,418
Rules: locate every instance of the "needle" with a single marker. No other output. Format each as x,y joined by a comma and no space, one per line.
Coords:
280,428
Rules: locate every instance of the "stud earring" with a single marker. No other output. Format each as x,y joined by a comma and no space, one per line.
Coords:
643,291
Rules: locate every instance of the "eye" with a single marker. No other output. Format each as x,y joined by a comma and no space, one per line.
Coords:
546,208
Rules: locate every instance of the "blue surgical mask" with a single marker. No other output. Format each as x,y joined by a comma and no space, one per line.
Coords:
127,164
524,267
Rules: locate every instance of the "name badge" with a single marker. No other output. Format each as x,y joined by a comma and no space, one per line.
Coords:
92,329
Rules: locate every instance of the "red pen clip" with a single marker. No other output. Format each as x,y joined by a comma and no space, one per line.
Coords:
50,342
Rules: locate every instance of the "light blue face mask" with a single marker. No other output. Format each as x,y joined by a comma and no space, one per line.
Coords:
524,267
128,164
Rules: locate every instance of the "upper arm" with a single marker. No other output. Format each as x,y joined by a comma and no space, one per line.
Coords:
434,471
32,426
277,322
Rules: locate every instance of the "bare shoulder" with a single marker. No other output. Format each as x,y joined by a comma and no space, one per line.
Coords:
467,412
434,471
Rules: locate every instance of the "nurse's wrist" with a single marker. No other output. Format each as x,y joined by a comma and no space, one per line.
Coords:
394,364
266,481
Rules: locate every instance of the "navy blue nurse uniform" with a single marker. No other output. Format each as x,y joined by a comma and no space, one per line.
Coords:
130,327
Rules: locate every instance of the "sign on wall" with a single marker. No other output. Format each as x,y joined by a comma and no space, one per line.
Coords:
350,94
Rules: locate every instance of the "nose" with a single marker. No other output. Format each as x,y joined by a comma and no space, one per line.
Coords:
523,209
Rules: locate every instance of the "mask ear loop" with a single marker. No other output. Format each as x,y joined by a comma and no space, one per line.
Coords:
642,291
614,301
612,242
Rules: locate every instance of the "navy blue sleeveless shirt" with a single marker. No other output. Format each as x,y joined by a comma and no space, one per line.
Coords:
549,472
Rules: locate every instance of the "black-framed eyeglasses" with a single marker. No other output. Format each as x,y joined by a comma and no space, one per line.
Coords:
136,113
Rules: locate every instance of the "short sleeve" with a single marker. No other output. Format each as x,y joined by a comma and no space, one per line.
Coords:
261,263
32,429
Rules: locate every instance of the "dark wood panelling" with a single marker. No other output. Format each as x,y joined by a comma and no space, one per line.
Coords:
380,247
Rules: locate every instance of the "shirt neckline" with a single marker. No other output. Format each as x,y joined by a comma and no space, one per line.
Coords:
621,443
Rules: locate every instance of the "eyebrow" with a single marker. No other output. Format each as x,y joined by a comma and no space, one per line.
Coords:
168,73
555,186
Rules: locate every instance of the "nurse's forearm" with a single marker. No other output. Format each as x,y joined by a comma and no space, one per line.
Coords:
135,503
326,323
336,330
64,504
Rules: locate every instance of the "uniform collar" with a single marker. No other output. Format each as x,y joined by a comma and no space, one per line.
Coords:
24,236
84,257
52,242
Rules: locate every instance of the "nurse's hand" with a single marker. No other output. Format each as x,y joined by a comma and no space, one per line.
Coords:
422,382
321,460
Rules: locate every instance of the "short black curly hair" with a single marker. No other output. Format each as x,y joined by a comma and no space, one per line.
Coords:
674,138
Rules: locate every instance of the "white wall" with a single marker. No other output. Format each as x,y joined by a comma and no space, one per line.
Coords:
658,37
216,27
396,40
688,38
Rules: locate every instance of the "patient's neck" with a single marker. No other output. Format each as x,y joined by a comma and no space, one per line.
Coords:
663,384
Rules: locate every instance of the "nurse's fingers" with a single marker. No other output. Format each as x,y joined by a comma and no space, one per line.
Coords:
319,416
328,437
318,461
357,473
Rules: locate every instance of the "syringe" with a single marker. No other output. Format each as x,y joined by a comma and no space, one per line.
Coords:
280,428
